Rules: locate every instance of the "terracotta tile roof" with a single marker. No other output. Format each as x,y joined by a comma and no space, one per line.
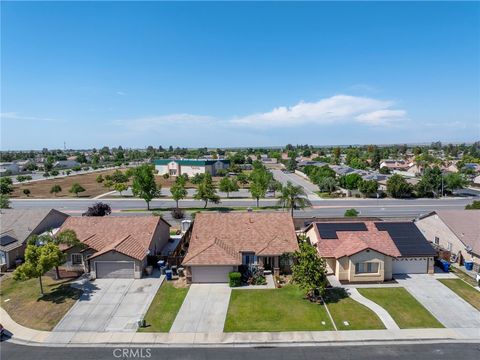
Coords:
129,235
220,238
349,243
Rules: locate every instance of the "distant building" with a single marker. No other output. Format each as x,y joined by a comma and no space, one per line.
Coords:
191,167
65,164
9,168
394,164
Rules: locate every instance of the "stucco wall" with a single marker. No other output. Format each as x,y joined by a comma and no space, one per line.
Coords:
160,238
432,226
369,256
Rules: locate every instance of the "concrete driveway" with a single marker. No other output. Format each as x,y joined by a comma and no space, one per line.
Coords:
111,305
204,309
451,310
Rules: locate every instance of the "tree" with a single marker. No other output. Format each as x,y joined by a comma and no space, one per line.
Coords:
257,191
206,191
242,179
4,202
120,187
98,209
368,187
6,187
26,192
275,186
454,181
293,197
309,269
39,258
178,190
327,184
430,184
291,164
260,178
55,189
350,181
144,185
228,185
76,188
100,179
351,213
398,187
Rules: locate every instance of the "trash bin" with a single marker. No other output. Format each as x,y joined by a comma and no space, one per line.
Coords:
169,274
162,269
445,265
161,263
468,265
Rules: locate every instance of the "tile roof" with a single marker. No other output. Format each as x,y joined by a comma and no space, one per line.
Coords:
220,238
129,235
465,224
349,243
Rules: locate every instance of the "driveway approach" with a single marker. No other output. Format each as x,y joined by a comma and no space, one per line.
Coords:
204,309
443,303
111,305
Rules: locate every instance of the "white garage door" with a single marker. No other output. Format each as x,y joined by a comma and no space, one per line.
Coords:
115,269
410,265
210,274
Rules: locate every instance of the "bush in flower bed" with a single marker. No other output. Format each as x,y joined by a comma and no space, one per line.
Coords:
234,279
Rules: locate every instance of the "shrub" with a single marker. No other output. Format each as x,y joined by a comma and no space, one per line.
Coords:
166,176
177,213
473,206
234,279
26,192
351,213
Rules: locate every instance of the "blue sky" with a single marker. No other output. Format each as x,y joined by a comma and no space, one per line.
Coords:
238,74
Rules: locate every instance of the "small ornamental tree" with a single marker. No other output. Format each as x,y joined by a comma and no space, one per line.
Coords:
100,179
98,209
397,187
293,197
120,187
76,188
178,190
228,185
351,213
144,185
27,192
206,191
6,185
368,187
4,202
242,179
55,189
309,269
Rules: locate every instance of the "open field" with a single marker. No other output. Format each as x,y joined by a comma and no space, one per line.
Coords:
22,301
41,189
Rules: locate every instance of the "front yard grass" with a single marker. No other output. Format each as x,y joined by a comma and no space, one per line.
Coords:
22,301
407,312
465,291
462,275
343,308
282,309
164,308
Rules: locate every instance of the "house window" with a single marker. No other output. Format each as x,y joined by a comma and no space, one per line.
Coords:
366,268
437,240
76,259
449,246
173,172
3,258
249,258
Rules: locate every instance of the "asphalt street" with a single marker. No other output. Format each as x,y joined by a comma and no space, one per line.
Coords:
342,352
320,208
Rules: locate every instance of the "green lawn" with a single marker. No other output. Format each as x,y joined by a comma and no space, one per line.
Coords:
282,309
358,316
22,301
164,308
463,276
465,291
407,312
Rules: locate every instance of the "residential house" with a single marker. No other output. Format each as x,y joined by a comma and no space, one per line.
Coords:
190,167
65,164
115,247
457,231
18,225
221,242
369,251
394,164
9,168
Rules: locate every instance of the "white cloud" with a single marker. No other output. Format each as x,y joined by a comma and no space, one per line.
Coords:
158,123
121,93
325,111
382,117
16,116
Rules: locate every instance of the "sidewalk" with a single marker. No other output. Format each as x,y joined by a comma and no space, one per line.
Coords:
23,335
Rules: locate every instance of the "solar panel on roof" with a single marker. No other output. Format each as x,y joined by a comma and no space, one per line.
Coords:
407,238
7,239
329,230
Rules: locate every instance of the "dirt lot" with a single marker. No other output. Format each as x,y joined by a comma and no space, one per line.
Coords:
41,189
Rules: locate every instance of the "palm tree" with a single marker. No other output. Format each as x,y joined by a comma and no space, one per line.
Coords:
293,197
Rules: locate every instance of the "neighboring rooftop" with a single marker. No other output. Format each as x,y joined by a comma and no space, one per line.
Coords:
187,162
407,238
220,238
465,224
129,235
